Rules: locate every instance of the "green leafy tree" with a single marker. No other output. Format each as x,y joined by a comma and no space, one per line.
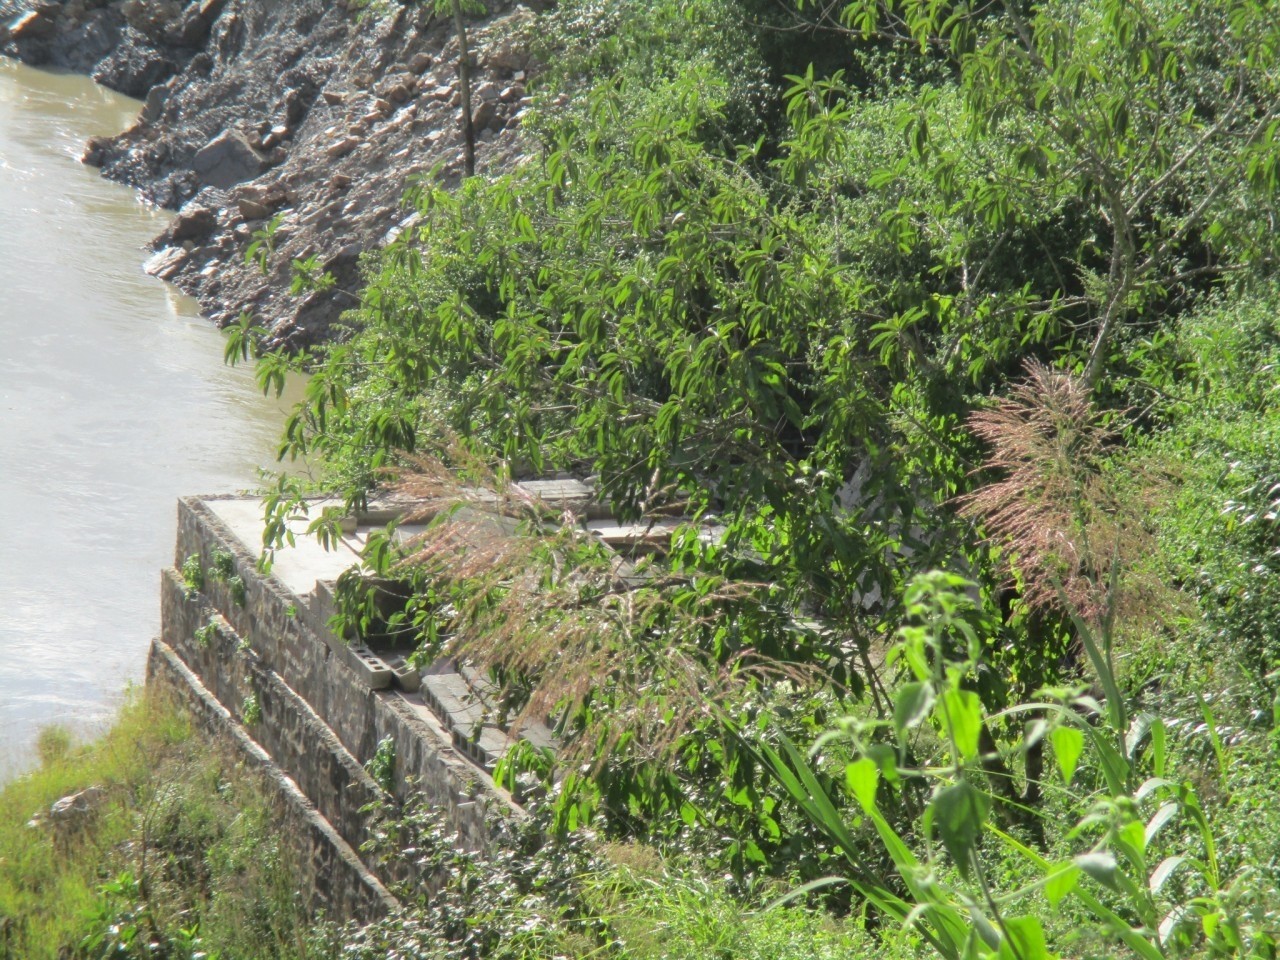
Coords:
783,339
1146,129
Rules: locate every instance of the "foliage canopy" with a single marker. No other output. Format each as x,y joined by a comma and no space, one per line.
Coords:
783,271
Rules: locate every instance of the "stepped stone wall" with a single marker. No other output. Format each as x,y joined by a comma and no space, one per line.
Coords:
331,876
315,722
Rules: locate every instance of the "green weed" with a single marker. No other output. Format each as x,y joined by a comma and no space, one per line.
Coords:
176,856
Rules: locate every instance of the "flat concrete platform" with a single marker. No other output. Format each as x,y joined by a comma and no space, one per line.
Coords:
297,567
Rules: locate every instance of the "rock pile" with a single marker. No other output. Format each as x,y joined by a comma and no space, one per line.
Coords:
298,114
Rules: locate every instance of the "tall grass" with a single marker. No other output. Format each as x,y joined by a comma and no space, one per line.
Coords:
656,909
177,857
50,873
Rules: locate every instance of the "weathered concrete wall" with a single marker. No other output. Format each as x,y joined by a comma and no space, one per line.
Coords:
288,729
318,723
332,878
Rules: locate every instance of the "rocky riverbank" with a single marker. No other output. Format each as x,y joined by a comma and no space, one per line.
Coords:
302,113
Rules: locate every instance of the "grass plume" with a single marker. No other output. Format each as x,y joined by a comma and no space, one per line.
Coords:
1060,510
571,624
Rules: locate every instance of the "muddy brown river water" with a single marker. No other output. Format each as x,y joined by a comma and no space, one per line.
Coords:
113,402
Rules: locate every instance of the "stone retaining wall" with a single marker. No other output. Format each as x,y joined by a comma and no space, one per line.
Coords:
287,728
332,878
317,723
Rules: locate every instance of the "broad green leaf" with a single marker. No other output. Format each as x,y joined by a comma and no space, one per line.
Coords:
1210,921
1068,744
984,929
1024,940
912,704
1131,841
959,812
1101,867
960,712
863,777
1158,756
1114,766
886,759
1061,881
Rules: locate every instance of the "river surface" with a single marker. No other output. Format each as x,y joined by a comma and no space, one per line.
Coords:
113,402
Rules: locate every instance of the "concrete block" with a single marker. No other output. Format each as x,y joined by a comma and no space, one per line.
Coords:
370,666
405,675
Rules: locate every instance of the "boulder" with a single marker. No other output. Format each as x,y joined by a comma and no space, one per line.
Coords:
228,159
398,87
296,106
73,810
134,67
277,135
340,148
486,113
95,151
509,52
152,18
88,41
270,195
399,93
209,9
192,223
188,30
167,263
201,64
253,209
344,265
153,105
33,25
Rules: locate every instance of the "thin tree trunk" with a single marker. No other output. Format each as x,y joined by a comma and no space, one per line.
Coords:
1120,280
464,84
